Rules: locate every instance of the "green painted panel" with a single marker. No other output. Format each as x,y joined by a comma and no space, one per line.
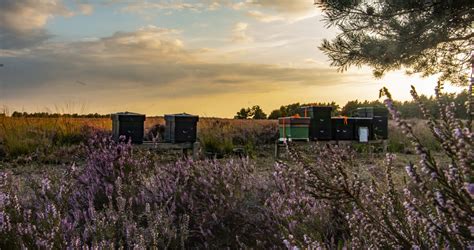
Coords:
297,132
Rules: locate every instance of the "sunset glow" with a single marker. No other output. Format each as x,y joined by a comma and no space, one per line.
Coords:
204,57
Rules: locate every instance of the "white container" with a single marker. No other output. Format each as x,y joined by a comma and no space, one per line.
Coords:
363,134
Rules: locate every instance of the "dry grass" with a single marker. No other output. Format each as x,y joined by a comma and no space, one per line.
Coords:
25,135
398,142
206,123
221,136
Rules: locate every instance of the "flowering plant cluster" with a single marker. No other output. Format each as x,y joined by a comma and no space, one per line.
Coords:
122,197
121,200
430,207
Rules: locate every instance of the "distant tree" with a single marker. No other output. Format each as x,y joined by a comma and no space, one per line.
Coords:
462,101
275,114
57,115
257,113
336,109
349,108
427,37
244,113
293,109
251,113
284,111
408,109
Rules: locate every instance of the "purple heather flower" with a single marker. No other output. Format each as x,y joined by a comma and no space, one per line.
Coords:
2,220
470,188
458,133
287,244
437,131
410,171
439,198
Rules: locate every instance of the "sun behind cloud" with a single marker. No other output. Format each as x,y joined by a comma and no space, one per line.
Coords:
204,57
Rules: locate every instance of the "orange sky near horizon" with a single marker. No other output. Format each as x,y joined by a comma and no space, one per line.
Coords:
209,58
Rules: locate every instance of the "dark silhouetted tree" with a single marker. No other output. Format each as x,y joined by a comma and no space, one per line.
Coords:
251,113
427,37
293,109
257,113
244,113
275,114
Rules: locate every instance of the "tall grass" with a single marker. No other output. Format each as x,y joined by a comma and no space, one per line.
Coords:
21,136
399,143
221,136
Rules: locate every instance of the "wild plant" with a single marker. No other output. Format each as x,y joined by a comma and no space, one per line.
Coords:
432,208
121,198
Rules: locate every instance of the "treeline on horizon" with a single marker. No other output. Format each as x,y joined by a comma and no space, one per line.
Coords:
57,115
408,109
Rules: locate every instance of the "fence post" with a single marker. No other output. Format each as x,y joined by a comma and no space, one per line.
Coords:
196,150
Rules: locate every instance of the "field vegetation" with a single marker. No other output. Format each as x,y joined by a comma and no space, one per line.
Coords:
65,184
23,136
26,136
112,195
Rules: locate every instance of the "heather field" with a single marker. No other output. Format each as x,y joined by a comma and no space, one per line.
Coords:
212,86
65,184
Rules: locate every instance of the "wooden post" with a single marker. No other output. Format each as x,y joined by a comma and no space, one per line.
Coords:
385,146
277,152
196,150
185,153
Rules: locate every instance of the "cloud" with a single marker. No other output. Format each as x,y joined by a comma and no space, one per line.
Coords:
85,9
214,6
27,15
262,17
153,60
239,33
277,10
283,6
20,40
148,40
145,6
22,22
240,5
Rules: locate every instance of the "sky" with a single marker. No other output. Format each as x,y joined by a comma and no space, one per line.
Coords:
205,57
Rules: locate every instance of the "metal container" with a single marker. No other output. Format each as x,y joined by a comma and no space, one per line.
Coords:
320,124
380,124
343,128
181,128
128,124
363,122
294,128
